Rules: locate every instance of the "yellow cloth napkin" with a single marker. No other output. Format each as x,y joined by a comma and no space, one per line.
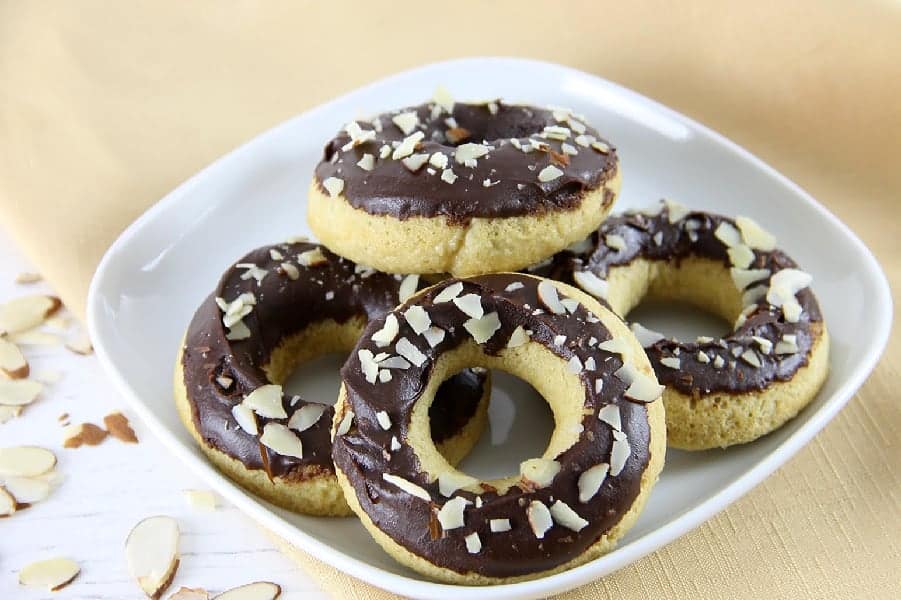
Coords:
105,106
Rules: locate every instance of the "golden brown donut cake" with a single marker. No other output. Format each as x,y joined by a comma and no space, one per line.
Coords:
562,509
276,308
462,188
719,391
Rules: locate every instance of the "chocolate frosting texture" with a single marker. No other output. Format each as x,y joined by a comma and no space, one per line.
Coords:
720,365
504,182
366,451
329,288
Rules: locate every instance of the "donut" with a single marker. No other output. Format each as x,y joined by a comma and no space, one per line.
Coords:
453,187
564,508
276,308
719,391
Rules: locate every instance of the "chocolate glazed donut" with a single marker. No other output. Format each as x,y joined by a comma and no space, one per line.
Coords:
562,509
278,307
720,391
452,187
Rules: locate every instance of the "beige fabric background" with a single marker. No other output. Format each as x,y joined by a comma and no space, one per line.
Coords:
104,107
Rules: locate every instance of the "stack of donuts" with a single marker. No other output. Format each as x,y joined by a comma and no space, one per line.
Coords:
460,238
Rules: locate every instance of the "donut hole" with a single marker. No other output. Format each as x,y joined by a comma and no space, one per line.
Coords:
532,363
520,424
682,298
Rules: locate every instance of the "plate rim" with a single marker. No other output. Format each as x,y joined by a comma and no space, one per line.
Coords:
259,511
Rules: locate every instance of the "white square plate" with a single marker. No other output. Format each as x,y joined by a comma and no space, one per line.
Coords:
153,277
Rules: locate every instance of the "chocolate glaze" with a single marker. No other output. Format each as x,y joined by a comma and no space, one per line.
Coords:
679,241
363,454
392,189
284,308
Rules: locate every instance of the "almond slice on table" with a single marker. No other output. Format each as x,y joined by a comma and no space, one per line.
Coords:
26,490
53,574
83,434
8,504
7,413
12,361
19,392
260,590
151,550
26,461
118,426
26,277
35,337
26,312
186,593
80,344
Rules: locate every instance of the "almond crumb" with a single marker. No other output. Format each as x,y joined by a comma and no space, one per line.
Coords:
118,426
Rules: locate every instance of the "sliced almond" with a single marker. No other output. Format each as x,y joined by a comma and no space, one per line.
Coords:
451,481
387,333
28,277
333,185
407,287
7,503
547,294
26,461
563,514
620,452
754,235
591,283
484,328
260,590
281,440
499,525
26,490
201,499
539,518
409,351
346,421
151,551
19,392
53,574
465,153
26,312
33,337
742,278
418,319
245,418
83,434
518,337
8,413
266,401
448,293
539,472
642,387
471,305
434,336
646,337
451,514
549,173
118,426
407,486
611,416
590,481
186,593
81,344
12,361
307,416
727,234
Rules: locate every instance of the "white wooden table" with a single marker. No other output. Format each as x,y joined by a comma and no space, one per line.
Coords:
106,489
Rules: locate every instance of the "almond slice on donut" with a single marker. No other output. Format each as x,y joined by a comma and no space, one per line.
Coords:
539,472
539,518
